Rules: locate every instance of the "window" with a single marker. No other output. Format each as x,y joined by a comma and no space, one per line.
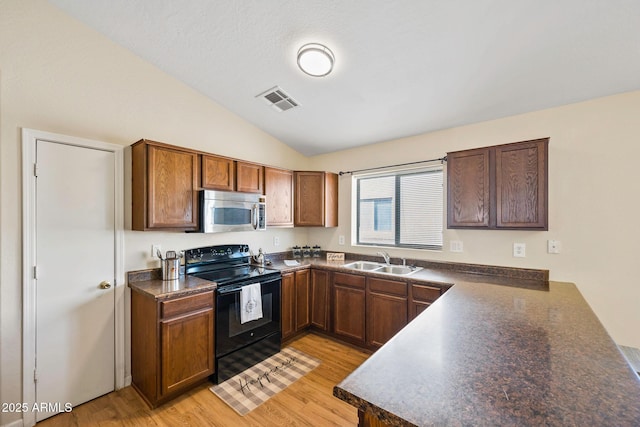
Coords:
401,208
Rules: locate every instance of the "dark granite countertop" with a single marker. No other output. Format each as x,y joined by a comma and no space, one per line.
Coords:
148,283
499,355
444,275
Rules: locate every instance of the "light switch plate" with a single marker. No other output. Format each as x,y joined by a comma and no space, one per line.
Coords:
154,251
456,246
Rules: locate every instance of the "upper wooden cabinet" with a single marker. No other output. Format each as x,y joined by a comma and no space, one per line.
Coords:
222,173
249,177
164,187
278,189
316,199
499,187
218,173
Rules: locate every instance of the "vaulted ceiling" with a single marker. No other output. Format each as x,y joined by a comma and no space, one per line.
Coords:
402,67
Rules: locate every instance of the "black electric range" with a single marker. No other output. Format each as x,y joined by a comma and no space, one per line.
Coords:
238,345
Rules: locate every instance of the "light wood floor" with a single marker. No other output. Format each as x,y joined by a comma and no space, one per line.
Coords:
308,401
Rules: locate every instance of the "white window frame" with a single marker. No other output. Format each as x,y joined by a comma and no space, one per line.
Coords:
355,217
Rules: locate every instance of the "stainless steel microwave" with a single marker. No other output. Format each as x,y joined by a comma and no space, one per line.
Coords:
222,211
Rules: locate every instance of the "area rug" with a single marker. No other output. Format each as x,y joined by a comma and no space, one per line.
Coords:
249,389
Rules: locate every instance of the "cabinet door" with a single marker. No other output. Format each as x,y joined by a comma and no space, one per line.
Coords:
287,305
218,173
386,309
249,178
468,184
278,188
521,172
164,187
421,297
349,307
320,299
187,350
302,300
316,199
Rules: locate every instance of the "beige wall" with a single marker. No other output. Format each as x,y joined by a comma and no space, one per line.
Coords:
594,197
58,76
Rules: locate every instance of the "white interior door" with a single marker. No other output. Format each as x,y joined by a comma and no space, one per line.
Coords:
75,254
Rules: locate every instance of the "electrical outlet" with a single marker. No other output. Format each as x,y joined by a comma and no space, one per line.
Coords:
154,251
276,241
519,250
341,240
553,246
455,246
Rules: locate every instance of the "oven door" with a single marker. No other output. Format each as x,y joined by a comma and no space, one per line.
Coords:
231,334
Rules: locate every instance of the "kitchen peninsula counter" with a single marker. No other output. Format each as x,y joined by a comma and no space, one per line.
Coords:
486,354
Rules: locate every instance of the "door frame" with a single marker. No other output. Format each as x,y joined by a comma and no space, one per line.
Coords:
29,141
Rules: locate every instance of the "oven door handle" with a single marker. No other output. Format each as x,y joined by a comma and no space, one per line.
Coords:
225,290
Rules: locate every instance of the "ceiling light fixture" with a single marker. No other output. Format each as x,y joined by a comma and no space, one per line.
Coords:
315,59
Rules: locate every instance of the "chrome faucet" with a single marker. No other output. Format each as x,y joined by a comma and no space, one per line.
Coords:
386,256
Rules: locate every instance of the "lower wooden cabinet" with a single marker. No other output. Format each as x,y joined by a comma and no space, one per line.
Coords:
320,299
386,309
172,344
287,305
362,310
421,297
303,319
294,303
349,307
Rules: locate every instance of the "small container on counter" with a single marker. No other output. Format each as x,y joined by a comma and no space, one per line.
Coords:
316,251
306,251
297,252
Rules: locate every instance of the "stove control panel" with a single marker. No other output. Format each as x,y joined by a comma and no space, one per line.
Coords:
215,254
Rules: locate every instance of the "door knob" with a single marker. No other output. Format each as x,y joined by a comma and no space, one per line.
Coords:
105,285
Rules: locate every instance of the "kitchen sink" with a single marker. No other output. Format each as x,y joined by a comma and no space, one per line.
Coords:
397,270
364,265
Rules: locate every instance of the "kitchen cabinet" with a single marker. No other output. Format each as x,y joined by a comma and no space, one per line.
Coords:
294,308
302,300
320,299
420,297
221,173
499,187
249,177
348,293
171,344
287,305
164,187
386,309
218,173
278,189
316,199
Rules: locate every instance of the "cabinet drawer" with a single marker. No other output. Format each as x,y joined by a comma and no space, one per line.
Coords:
183,305
424,293
390,287
350,280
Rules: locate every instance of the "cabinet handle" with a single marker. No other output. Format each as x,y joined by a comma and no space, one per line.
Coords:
105,285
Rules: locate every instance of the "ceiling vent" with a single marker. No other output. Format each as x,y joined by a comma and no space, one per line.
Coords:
278,99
